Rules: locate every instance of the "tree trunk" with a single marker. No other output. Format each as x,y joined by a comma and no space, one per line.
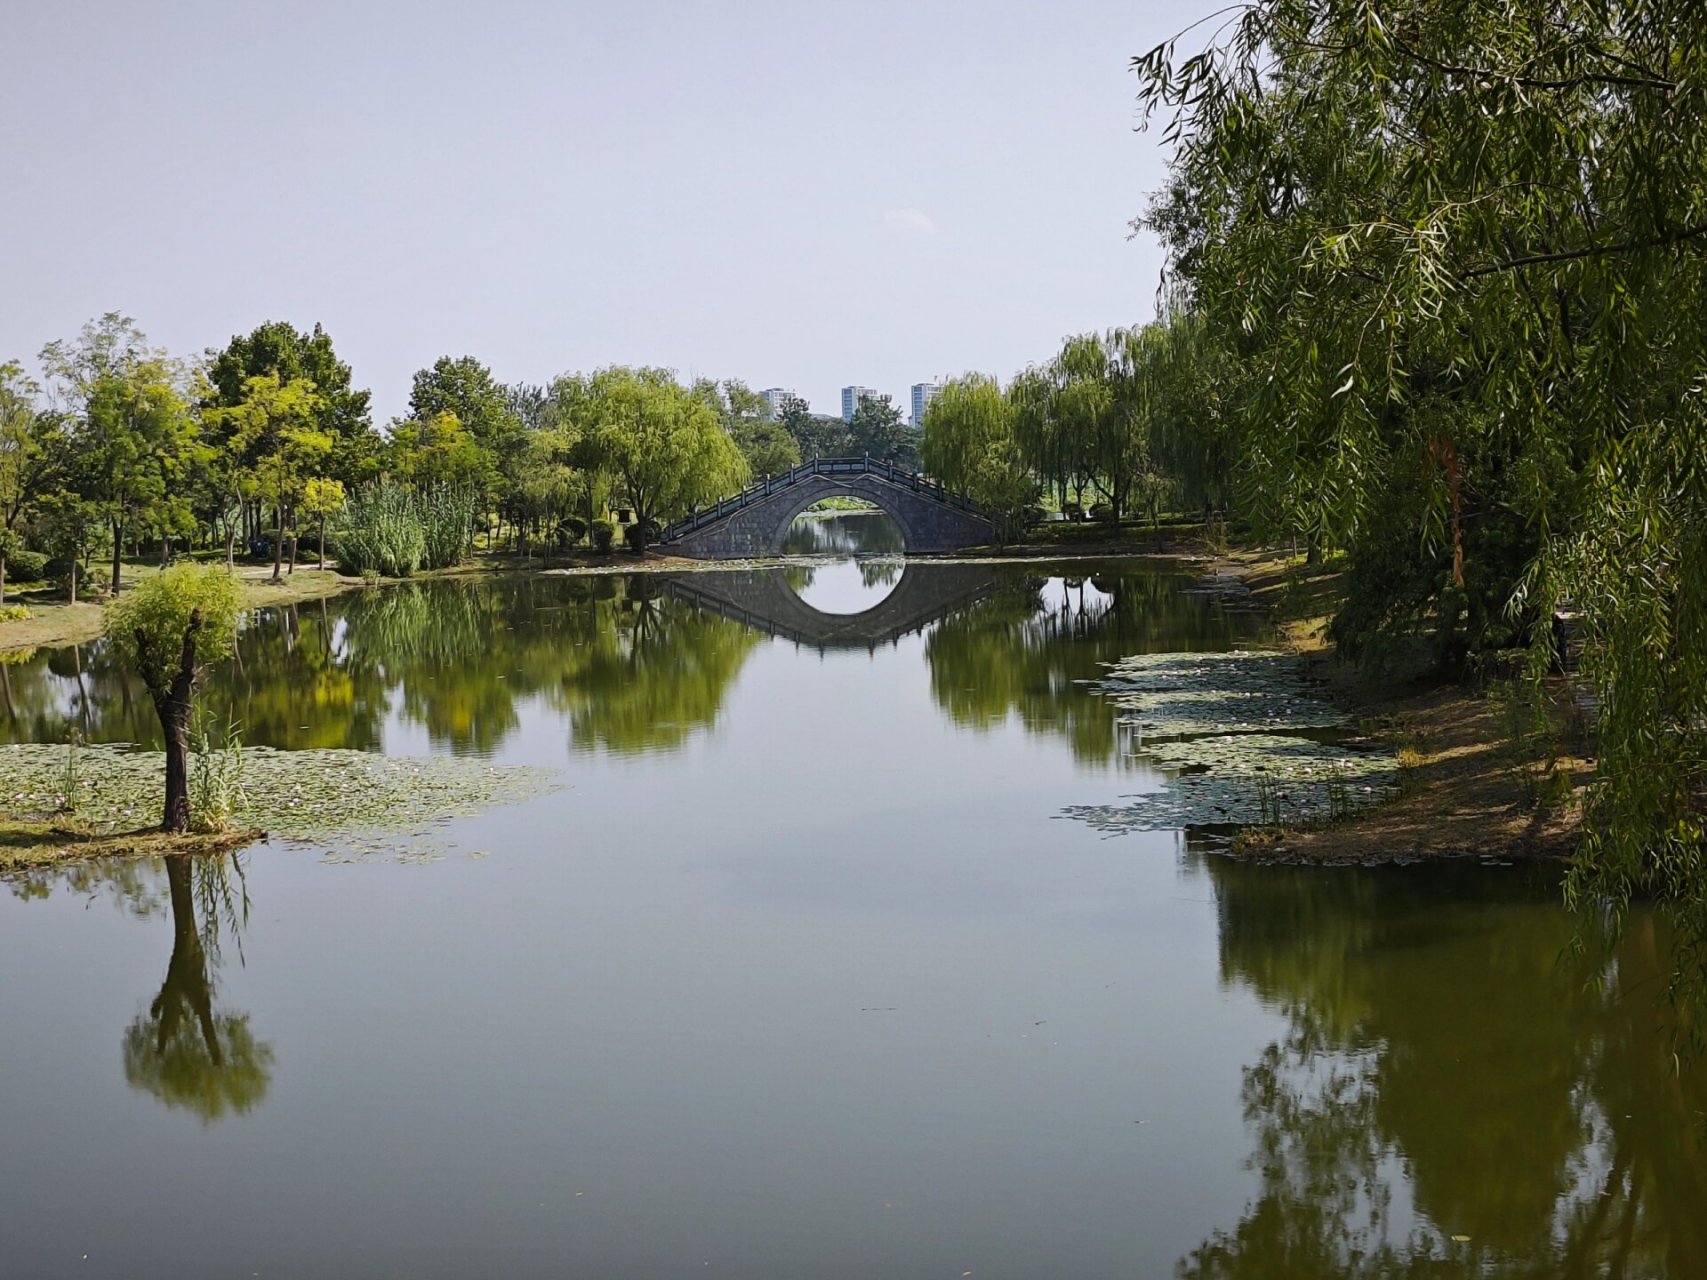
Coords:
173,705
2,578
230,546
72,586
292,540
118,553
278,550
323,539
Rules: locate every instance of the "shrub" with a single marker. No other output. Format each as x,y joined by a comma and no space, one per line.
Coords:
26,566
14,613
571,529
604,534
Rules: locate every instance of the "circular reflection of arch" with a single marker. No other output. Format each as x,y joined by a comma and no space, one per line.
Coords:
864,568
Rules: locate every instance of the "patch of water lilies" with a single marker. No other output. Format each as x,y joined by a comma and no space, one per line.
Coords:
297,795
1216,726
1186,694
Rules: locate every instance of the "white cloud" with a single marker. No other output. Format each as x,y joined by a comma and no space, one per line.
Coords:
915,224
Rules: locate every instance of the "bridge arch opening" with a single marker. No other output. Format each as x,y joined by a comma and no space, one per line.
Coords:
843,527
856,548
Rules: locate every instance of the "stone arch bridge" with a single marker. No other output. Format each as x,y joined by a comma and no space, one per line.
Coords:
755,521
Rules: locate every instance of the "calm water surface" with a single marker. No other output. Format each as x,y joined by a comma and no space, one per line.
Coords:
800,975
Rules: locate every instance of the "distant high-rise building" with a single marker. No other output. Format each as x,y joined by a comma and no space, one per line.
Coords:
853,397
773,398
923,394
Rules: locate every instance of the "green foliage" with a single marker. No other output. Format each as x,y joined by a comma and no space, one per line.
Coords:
148,625
968,443
216,778
395,530
15,613
24,565
660,442
604,536
1455,254
815,435
279,350
877,431
131,440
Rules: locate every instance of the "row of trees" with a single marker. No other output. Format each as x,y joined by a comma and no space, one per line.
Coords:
124,445
1129,420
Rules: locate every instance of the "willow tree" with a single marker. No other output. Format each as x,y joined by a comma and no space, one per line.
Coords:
663,446
967,442
168,629
1462,245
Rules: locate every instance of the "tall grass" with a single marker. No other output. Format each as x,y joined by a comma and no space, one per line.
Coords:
216,779
395,530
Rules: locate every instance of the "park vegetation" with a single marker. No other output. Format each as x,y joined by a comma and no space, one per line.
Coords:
121,449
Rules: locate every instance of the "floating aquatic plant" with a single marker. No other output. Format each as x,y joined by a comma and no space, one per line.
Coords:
300,795
1216,725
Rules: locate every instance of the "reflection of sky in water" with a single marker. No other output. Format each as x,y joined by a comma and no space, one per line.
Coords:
848,586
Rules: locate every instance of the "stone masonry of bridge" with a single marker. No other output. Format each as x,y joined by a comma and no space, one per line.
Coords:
927,522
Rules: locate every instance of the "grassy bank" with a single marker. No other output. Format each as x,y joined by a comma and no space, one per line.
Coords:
25,843
1479,776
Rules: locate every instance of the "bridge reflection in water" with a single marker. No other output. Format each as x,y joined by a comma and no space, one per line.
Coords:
766,600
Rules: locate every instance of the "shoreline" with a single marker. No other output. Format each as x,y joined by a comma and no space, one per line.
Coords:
1469,790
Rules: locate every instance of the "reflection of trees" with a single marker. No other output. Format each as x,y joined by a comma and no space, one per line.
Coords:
654,676
864,533
183,1050
1435,1043
1020,651
453,657
879,573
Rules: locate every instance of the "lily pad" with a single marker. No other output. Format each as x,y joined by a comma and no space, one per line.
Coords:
1216,726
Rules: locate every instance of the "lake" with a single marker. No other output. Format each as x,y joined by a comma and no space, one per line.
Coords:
801,971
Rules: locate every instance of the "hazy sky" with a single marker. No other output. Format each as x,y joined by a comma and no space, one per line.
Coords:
804,194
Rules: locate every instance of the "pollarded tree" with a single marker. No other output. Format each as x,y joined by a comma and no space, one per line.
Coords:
168,629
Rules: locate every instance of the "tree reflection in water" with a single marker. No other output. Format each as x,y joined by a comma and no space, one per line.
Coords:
1441,1055
1023,651
635,672
183,1049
